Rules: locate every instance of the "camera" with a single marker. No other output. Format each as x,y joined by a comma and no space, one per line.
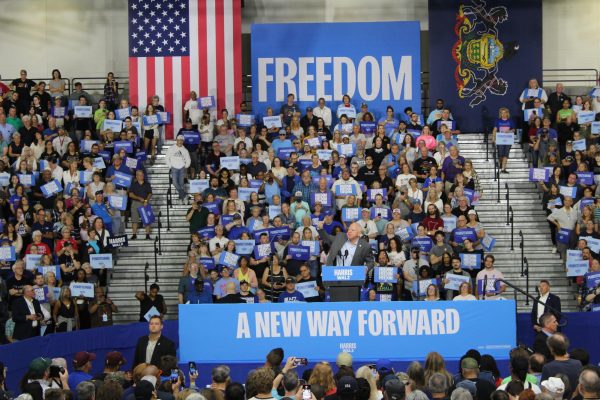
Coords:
55,371
300,361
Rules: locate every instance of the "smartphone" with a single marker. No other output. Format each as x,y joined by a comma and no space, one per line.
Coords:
174,375
192,367
306,394
300,361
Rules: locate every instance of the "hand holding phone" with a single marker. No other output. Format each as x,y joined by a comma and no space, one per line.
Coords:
174,376
192,368
306,393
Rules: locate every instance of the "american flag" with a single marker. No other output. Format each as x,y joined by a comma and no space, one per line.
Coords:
176,46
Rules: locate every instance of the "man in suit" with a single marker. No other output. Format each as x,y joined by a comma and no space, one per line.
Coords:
551,305
347,248
549,325
151,348
27,315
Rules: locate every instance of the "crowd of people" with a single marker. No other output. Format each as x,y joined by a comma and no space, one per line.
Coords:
560,137
156,374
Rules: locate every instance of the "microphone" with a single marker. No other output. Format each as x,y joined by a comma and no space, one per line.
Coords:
346,253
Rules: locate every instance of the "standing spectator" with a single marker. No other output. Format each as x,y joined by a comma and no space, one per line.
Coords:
101,309
288,110
562,363
194,288
178,160
504,125
151,299
323,112
491,275
548,325
140,193
551,305
27,315
23,87
192,110
111,91
151,348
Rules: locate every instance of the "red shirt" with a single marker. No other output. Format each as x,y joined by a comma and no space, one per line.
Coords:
3,89
432,224
42,248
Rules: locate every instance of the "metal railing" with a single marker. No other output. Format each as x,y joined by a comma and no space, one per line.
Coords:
156,260
512,229
159,225
146,277
507,197
169,203
497,173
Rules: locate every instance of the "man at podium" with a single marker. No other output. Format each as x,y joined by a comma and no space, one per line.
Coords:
347,248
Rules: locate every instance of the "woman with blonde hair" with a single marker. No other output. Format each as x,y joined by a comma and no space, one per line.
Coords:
503,124
322,375
434,363
369,373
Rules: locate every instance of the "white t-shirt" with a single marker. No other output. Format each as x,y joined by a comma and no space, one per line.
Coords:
194,111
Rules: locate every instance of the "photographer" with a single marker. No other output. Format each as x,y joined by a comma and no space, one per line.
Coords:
101,309
196,215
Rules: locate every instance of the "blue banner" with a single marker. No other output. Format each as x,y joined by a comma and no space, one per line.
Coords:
300,253
146,214
385,275
367,71
369,330
122,179
333,273
244,247
482,47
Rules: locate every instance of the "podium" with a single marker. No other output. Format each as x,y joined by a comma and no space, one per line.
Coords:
344,283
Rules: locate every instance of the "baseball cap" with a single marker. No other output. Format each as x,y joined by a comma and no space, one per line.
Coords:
344,359
469,363
180,137
396,210
39,365
554,385
237,216
99,192
388,378
150,378
345,136
290,279
363,104
115,358
82,358
365,209
384,365
298,194
347,385
394,389
224,267
308,109
144,390
472,212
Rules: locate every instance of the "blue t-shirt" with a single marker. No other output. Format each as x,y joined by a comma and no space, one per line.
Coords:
504,123
286,297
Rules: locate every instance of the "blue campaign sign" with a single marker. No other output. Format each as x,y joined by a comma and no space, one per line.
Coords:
262,250
50,268
228,259
372,193
207,262
244,247
577,267
563,235
146,214
470,260
423,243
350,214
368,128
51,188
382,212
300,253
592,279
245,192
122,113
114,125
313,245
101,261
191,137
230,163
461,234
385,275
586,178
207,232
539,175
7,253
122,179
333,273
367,71
279,233
198,185
284,152
368,329
118,202
124,144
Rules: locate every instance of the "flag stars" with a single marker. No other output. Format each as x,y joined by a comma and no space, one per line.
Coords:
147,50
152,28
134,50
146,20
153,42
176,13
177,41
183,49
171,49
134,21
176,27
146,35
152,13
146,6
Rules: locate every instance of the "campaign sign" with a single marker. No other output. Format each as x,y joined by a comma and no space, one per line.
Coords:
208,232
420,288
593,243
595,128
262,250
274,211
470,260
82,111
579,145
118,201
272,122
300,253
345,189
82,289
230,162
149,120
51,188
313,141
85,177
244,247
493,286
122,179
114,125
132,162
488,242
245,120
584,117
228,259
405,233
574,255
26,179
539,175
146,214
368,128
367,71
86,145
7,253
122,113
55,269
313,245
461,234
324,155
577,267
326,199
346,150
350,214
586,178
165,117
563,236
334,273
505,138
101,261
279,233
385,275
455,281
308,289
585,202
198,185
245,192
207,262
382,212
592,279
423,243
207,102
369,329
58,112
116,242
372,193
125,145
32,261
4,179
537,112
41,294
